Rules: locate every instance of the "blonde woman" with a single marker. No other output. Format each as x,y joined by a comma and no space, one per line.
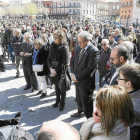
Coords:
112,118
40,56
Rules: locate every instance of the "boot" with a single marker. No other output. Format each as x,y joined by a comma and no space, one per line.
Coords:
56,104
62,105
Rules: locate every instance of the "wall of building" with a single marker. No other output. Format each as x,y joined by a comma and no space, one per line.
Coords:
126,10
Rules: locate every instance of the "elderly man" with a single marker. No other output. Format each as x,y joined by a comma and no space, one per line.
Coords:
16,44
117,35
129,78
26,53
104,66
57,130
119,56
83,67
97,38
129,30
133,50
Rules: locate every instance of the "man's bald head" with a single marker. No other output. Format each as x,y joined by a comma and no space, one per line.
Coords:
57,130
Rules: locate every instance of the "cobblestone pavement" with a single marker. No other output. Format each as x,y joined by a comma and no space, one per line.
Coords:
34,110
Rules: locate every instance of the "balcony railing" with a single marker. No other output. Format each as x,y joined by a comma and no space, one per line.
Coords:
126,5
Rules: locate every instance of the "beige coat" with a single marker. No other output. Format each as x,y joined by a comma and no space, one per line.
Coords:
92,131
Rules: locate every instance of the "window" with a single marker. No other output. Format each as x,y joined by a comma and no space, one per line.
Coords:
47,5
125,17
125,11
83,11
114,7
73,11
87,12
129,11
122,11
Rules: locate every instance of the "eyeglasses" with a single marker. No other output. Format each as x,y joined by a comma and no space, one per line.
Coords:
103,44
36,44
55,38
121,79
112,59
81,42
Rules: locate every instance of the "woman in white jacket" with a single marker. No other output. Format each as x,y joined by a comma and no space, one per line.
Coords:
112,118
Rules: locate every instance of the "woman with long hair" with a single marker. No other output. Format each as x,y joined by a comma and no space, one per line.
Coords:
58,57
112,117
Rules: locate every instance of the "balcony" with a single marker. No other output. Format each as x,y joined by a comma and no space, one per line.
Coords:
126,5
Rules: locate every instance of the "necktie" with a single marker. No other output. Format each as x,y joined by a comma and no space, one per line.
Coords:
27,46
81,54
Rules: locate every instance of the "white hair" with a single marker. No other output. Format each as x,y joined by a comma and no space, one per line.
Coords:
17,30
27,34
106,41
24,27
85,34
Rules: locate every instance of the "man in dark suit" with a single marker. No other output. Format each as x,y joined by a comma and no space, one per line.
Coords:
83,68
119,56
26,53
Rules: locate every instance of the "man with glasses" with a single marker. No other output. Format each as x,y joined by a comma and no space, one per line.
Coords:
83,67
118,57
26,53
129,78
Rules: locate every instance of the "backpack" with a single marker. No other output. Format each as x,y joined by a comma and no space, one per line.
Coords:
10,130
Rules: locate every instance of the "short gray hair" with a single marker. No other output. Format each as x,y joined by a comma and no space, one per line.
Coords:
27,34
85,34
106,41
18,30
24,27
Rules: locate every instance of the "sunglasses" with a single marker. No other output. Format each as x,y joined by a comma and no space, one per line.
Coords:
103,44
121,79
55,37
36,44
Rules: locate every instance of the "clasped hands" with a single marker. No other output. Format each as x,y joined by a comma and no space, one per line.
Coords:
73,78
24,54
53,72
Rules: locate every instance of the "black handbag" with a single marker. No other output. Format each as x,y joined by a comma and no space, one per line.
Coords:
65,80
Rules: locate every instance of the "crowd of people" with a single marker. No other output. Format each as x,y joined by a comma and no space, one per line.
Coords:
55,50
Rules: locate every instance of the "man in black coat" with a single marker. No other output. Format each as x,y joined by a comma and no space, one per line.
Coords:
16,44
7,39
83,68
26,53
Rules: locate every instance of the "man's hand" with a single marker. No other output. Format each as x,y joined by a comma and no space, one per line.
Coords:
26,55
73,78
21,53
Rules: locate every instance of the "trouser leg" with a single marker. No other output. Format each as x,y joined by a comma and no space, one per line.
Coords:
26,75
32,77
78,100
18,64
57,89
43,84
100,80
1,63
11,52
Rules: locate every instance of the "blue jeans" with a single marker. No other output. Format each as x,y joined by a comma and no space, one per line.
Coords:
11,52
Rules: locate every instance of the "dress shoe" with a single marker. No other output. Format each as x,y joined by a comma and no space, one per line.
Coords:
33,89
27,87
39,92
56,104
3,70
43,95
17,76
53,93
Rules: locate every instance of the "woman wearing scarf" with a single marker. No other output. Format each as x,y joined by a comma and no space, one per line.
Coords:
40,56
58,56
114,115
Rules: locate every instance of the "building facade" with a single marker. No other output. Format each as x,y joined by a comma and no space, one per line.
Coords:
102,10
126,10
114,9
136,12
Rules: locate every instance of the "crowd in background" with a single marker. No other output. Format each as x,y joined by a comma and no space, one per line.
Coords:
80,50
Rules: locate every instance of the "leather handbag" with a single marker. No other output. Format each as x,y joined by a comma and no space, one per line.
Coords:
65,80
38,68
